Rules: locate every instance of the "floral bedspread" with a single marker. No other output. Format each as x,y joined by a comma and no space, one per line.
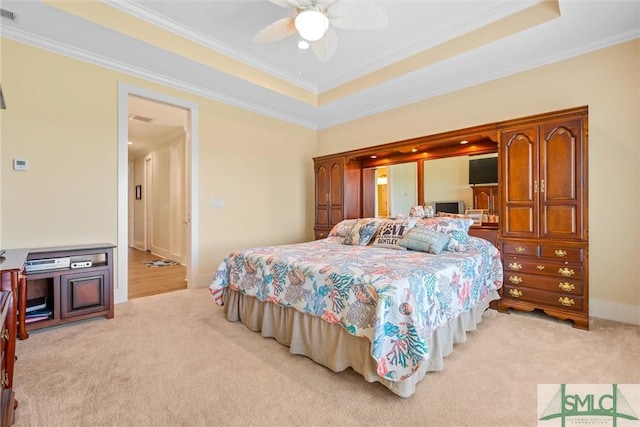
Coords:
395,299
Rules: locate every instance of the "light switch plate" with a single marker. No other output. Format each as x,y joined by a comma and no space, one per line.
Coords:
216,203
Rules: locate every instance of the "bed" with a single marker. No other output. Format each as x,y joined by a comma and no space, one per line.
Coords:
369,303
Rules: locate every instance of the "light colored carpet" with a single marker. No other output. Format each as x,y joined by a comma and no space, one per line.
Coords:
173,360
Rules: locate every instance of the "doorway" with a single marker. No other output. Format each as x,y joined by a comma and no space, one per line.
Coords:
190,219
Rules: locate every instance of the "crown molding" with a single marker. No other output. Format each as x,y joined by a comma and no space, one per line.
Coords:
109,63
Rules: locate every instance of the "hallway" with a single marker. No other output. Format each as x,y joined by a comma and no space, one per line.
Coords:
145,281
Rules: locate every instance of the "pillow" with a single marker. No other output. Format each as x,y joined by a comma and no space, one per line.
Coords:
391,232
362,232
343,228
456,228
417,211
424,240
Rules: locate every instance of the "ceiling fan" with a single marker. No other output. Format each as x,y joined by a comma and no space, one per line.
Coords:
315,20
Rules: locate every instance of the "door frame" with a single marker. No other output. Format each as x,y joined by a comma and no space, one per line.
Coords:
130,207
191,154
148,202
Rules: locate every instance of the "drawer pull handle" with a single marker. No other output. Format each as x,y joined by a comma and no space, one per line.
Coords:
540,267
517,293
515,266
567,287
560,253
515,280
566,301
520,250
5,379
5,334
566,272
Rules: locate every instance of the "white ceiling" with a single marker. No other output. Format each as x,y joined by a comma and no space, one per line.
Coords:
225,29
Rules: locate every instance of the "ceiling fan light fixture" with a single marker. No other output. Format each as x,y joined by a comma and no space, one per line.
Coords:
311,24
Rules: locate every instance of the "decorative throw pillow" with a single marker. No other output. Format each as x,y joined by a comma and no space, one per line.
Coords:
456,228
391,232
416,211
362,232
424,240
343,228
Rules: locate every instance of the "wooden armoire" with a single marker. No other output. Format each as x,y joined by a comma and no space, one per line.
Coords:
544,223
337,192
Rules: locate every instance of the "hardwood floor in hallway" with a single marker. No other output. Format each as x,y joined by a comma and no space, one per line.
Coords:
145,281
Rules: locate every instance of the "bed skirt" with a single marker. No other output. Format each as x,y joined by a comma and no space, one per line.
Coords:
332,346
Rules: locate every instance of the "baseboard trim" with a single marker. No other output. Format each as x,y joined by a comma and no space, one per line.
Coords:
609,310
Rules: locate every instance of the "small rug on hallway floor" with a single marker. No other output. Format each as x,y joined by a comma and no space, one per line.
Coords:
160,263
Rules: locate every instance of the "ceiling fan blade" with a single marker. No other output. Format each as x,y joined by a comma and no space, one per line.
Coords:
279,30
357,16
326,47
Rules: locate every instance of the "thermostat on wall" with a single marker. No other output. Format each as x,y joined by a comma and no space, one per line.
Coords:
19,165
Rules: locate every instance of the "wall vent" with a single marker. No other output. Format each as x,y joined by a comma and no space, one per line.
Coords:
140,118
7,14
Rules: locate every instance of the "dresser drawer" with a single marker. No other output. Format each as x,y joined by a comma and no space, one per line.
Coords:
542,267
558,252
564,301
321,234
520,249
561,285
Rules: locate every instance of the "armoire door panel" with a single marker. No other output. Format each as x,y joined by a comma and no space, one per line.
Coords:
560,221
520,165
322,217
336,215
561,170
519,175
322,197
322,186
558,168
518,220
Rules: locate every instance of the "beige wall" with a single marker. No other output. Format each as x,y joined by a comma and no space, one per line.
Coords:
62,118
608,81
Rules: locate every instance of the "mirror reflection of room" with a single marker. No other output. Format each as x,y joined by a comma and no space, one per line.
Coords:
453,179
449,184
396,189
